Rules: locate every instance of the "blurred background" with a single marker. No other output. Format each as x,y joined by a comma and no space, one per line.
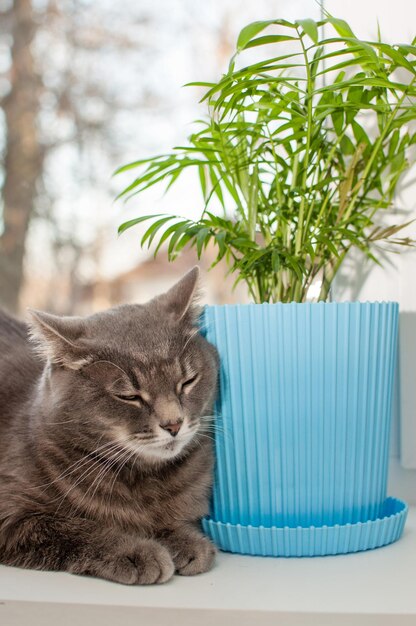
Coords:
86,86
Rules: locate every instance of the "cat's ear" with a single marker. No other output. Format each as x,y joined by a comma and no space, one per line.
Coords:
57,338
180,300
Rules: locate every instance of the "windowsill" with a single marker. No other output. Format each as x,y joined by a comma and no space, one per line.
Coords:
375,587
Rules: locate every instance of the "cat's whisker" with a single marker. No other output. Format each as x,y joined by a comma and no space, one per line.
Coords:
95,464
197,442
137,455
129,454
132,467
215,421
206,431
215,430
122,465
109,463
76,465
210,419
103,471
196,432
62,498
204,435
211,424
97,481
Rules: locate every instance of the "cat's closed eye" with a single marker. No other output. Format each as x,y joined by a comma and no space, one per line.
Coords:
132,398
187,384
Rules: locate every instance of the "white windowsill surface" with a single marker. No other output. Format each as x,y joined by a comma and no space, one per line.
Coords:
369,588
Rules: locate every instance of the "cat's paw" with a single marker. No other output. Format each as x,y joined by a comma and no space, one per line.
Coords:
147,563
194,557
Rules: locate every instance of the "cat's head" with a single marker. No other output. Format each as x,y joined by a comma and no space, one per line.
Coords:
135,377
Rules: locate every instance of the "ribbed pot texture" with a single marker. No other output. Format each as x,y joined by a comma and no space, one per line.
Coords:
304,411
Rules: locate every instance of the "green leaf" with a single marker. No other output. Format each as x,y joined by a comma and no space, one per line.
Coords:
173,177
275,261
216,185
183,241
181,226
201,238
253,29
360,134
337,117
347,146
396,56
179,230
310,27
199,84
134,164
126,225
220,239
152,230
250,31
342,27
202,181
261,41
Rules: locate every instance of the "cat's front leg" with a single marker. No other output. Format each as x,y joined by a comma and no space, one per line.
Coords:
79,546
129,560
191,551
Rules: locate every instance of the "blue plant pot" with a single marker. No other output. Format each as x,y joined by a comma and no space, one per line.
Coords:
303,417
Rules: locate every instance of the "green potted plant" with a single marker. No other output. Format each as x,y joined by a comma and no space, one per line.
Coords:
303,150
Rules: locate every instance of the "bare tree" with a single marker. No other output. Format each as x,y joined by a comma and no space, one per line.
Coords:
23,153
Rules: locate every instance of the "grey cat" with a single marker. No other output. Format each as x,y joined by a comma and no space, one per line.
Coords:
105,458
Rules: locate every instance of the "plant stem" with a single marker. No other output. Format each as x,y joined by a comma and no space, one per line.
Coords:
309,95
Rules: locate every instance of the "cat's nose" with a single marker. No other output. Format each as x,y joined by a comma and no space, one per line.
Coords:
172,427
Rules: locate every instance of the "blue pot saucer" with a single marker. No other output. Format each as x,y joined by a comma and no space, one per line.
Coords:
311,541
